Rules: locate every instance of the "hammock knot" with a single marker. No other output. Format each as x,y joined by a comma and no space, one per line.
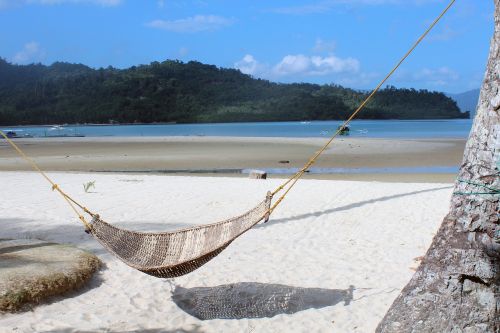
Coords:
95,218
86,210
55,187
88,227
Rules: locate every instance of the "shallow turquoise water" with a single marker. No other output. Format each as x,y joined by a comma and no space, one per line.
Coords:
455,128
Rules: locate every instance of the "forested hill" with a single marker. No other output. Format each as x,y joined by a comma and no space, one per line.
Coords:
173,91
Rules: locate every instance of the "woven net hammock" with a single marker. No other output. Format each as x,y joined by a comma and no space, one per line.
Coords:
172,254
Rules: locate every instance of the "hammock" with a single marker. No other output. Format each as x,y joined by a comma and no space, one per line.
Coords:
172,254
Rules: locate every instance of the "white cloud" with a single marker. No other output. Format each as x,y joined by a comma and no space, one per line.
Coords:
248,65
333,64
315,65
298,65
196,23
31,52
293,64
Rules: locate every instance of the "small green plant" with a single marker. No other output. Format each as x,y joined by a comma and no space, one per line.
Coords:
87,186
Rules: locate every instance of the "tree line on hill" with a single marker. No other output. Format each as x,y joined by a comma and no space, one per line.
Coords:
173,91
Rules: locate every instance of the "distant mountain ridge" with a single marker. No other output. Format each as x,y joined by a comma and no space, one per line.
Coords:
173,91
466,101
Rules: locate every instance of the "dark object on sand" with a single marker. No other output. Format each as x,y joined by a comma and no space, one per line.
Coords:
257,174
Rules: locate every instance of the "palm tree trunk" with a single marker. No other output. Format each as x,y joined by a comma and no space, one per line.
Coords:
457,286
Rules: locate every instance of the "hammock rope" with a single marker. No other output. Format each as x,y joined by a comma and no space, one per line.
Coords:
176,253
69,200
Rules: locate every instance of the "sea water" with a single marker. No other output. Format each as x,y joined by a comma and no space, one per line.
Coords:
454,128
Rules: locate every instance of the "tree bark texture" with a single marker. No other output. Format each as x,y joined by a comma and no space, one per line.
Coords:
457,286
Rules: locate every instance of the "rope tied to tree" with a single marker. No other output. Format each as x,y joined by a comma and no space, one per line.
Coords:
491,190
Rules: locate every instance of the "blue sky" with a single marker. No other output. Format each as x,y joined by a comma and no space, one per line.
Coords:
348,42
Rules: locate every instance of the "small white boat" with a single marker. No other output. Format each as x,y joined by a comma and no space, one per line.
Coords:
63,132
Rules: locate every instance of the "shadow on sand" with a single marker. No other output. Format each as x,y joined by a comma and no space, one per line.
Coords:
348,207
255,300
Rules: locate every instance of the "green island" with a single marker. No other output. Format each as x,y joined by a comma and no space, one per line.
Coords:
192,92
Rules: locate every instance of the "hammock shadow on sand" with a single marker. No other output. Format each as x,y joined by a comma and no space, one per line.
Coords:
255,300
347,207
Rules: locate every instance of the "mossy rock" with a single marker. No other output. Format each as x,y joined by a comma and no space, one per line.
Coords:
33,270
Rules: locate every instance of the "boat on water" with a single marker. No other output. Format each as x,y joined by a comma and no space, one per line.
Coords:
18,134
343,130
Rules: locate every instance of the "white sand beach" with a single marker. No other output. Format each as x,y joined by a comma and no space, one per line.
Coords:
332,258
